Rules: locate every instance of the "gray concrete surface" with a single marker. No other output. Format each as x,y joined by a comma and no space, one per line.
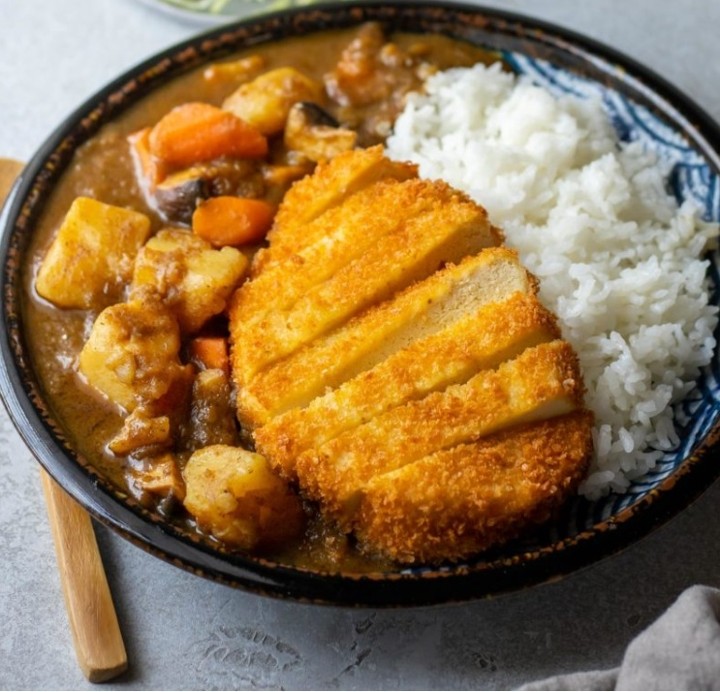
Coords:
183,632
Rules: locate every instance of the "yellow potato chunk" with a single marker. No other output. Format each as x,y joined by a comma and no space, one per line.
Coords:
266,101
235,496
193,279
92,255
132,354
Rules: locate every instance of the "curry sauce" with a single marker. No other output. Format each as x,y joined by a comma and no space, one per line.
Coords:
366,78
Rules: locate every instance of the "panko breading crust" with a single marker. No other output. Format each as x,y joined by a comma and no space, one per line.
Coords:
393,360
332,183
463,500
333,240
542,382
481,340
423,243
378,332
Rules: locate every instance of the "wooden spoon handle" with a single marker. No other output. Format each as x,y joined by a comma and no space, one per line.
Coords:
96,633
95,629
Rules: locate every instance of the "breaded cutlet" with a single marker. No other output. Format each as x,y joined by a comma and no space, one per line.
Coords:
340,235
477,340
542,382
425,242
392,359
331,184
418,312
461,501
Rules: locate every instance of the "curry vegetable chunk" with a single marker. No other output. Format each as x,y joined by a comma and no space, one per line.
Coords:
312,132
211,415
266,101
193,279
92,255
141,429
132,353
235,496
161,478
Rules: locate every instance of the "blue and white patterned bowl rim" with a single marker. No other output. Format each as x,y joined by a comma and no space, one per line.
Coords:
691,177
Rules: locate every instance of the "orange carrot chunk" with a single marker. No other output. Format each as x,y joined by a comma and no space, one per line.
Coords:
211,352
195,132
232,220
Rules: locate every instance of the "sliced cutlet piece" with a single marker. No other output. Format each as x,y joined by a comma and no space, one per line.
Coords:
463,500
541,383
342,234
330,185
447,233
477,340
418,312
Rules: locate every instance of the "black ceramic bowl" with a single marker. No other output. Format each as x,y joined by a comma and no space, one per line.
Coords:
585,531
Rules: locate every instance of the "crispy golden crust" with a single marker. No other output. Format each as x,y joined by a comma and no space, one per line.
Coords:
477,341
430,407
541,383
330,185
463,500
341,234
378,332
446,233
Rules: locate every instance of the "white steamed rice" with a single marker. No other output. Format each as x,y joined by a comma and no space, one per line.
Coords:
619,261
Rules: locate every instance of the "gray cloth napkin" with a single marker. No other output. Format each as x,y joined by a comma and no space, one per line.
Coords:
679,651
